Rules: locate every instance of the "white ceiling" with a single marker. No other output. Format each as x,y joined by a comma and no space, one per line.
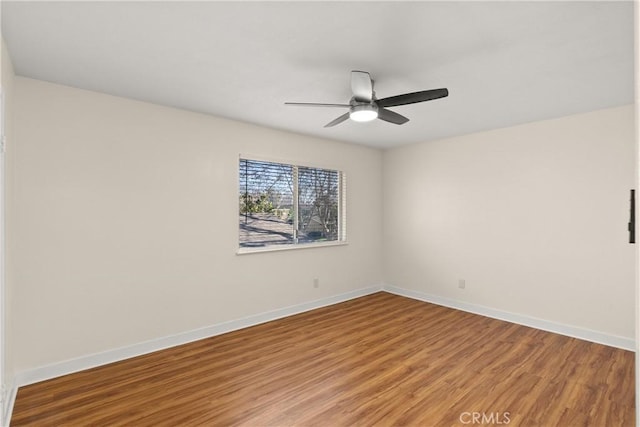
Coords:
504,63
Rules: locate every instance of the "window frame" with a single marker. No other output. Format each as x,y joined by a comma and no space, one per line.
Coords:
295,245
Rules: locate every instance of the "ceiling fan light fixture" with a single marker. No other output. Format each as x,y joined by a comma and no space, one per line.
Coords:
363,112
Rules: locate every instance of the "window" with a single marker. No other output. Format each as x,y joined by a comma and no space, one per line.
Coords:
282,204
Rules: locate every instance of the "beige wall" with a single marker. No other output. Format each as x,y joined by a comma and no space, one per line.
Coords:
7,79
121,229
532,217
126,218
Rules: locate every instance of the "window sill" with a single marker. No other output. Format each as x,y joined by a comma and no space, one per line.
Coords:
278,248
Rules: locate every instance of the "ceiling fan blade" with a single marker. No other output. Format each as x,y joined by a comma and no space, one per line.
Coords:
337,121
361,86
391,116
412,98
315,104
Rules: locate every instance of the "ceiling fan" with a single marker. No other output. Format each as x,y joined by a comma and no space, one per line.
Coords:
364,106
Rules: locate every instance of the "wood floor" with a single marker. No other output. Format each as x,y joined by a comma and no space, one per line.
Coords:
380,360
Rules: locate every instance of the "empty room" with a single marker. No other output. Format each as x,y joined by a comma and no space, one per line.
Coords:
318,213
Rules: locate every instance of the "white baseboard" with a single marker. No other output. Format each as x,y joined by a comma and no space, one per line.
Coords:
91,361
533,322
7,410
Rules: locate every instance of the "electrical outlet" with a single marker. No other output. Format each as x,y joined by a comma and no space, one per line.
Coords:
462,283
316,283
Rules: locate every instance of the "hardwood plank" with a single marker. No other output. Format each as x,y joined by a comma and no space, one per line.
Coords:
377,360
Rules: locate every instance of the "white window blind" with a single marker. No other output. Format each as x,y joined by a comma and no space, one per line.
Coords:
284,204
